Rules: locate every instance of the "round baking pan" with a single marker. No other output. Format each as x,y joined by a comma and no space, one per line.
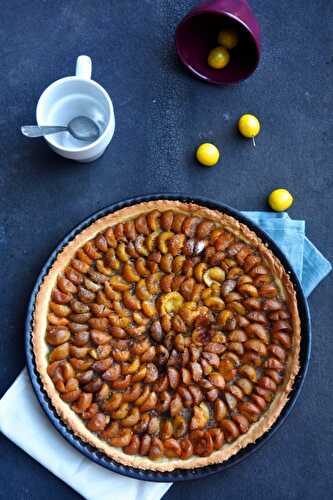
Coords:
179,474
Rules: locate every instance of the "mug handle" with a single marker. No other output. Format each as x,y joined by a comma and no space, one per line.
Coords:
83,67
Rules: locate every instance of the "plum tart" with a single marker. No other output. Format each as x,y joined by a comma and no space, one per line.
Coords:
167,335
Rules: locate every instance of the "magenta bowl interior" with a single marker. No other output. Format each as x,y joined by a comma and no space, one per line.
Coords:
197,34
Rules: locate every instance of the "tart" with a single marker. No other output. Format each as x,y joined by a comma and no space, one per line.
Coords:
167,335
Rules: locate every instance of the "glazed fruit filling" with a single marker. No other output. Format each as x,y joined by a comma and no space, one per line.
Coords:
168,336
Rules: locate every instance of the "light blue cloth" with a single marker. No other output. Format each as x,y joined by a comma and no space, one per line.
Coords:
309,264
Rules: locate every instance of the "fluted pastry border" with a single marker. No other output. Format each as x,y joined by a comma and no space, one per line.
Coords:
74,422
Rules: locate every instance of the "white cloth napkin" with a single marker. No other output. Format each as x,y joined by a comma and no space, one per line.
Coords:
30,429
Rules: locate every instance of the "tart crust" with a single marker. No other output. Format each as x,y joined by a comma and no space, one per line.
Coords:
73,421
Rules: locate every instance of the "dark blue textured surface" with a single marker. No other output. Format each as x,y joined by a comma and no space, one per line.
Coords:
161,114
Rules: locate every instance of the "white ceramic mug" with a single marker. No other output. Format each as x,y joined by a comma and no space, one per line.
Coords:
77,96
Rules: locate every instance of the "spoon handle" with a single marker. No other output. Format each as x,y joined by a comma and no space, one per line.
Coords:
36,131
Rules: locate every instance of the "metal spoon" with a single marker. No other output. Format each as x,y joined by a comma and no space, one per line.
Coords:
81,127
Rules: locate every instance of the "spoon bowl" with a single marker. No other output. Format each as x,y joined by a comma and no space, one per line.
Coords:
83,129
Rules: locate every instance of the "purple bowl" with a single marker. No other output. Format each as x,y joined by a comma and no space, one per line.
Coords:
197,34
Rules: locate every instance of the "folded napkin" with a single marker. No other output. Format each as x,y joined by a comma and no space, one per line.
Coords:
30,429
308,263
